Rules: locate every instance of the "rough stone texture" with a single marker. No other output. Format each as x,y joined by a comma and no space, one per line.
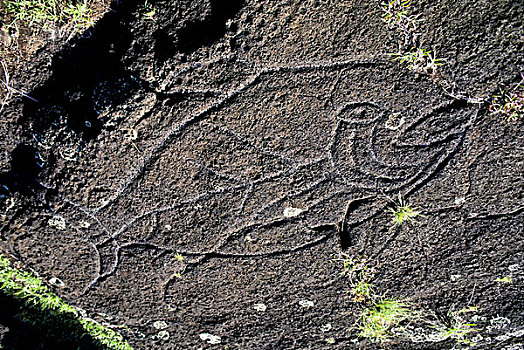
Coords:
193,133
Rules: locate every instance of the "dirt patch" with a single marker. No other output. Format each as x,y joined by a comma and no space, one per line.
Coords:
156,172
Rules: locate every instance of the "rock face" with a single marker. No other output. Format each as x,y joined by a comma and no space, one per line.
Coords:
193,174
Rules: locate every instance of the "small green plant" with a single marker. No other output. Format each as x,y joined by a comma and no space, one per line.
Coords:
148,12
402,212
35,295
396,14
31,12
510,102
456,326
505,279
386,318
419,60
360,272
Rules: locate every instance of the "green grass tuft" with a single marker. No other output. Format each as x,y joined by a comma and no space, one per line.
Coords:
25,287
49,12
385,318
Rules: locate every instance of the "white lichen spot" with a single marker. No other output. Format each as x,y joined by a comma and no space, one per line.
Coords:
58,222
56,282
260,307
477,339
460,200
514,268
163,335
105,316
478,318
67,153
168,227
84,224
292,212
306,303
503,337
326,327
160,325
416,334
395,118
210,338
140,334
132,135
500,322
82,312
9,204
435,337
455,278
